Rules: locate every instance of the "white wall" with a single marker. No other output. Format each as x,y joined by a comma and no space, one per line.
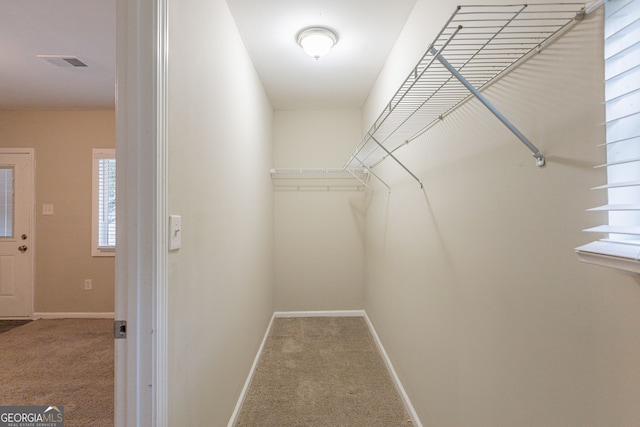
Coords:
220,151
319,250
473,283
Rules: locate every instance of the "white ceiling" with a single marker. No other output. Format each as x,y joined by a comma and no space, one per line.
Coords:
86,29
81,28
367,30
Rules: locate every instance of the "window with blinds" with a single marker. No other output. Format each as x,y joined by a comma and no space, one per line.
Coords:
104,202
620,248
6,202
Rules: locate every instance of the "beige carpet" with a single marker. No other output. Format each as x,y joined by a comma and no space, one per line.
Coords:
322,371
68,362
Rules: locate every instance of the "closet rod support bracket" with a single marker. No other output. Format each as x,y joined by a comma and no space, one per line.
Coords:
368,169
484,101
397,161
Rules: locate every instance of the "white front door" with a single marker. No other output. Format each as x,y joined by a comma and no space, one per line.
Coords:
16,232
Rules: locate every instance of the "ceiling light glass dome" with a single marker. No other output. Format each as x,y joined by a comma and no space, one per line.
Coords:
317,41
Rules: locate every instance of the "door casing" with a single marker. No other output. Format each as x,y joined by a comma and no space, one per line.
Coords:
141,276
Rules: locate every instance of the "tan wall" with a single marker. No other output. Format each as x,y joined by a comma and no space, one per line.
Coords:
473,283
319,251
220,283
63,141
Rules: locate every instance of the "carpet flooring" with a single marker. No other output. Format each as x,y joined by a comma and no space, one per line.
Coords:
322,371
7,325
67,362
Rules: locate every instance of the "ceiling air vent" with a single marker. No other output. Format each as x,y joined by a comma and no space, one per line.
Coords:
63,60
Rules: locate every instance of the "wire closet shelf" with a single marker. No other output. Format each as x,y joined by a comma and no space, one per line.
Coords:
320,179
477,45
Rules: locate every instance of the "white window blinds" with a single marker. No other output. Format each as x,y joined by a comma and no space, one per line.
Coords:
620,247
107,202
6,202
104,202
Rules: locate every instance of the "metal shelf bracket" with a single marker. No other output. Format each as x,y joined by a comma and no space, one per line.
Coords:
540,160
368,170
397,161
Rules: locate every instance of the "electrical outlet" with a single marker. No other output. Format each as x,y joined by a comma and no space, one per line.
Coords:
88,284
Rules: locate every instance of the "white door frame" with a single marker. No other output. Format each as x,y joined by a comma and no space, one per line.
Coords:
32,227
141,86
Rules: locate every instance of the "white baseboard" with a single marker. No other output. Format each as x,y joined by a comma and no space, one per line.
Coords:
247,383
403,394
73,315
326,313
336,313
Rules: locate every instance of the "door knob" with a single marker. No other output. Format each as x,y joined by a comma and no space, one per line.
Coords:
22,249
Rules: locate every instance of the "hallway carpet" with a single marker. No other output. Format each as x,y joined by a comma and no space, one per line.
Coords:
322,371
66,362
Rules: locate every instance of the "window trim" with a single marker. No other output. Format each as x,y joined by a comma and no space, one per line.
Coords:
97,154
611,254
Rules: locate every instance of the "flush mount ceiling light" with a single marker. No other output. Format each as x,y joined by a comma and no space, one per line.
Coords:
317,41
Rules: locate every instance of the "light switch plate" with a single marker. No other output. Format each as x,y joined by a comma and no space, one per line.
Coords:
175,232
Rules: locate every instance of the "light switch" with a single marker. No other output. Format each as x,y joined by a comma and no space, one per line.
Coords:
175,232
47,209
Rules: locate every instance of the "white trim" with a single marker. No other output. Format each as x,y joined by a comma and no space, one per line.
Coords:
160,322
247,383
613,254
329,313
18,151
396,379
73,315
325,313
136,270
619,263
